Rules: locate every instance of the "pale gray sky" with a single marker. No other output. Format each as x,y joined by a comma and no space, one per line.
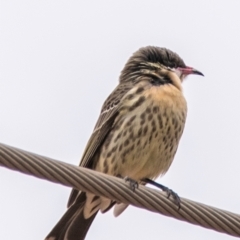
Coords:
59,60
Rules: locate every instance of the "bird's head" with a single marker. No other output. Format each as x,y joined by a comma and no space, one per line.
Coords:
160,64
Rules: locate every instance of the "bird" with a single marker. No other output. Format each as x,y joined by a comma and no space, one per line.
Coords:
136,135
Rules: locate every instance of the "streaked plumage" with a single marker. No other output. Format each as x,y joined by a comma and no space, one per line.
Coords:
136,135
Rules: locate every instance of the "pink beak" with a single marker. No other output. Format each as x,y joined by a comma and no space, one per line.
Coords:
189,70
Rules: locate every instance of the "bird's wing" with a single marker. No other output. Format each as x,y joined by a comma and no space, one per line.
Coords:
103,126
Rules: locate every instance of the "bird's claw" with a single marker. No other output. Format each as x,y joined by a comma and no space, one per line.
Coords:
169,192
175,196
132,183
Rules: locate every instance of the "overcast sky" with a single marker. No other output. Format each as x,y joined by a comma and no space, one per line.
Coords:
59,60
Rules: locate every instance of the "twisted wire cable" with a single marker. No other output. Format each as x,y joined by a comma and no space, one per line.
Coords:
117,189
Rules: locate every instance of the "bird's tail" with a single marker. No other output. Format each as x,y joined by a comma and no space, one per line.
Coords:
72,225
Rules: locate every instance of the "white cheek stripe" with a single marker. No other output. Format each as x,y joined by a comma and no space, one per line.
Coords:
178,72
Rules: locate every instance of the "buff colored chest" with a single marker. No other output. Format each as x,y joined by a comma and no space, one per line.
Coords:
146,134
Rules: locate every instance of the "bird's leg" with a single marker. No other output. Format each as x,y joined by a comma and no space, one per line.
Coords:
169,192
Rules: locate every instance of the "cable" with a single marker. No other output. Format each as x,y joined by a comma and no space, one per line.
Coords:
117,189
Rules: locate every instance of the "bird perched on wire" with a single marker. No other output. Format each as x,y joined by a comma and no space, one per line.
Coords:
137,133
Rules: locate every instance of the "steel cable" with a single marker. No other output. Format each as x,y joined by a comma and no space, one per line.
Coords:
117,189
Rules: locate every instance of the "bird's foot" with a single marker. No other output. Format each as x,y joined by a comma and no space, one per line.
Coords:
175,196
169,192
132,183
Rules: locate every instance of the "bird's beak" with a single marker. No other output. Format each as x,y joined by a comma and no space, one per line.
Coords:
189,70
